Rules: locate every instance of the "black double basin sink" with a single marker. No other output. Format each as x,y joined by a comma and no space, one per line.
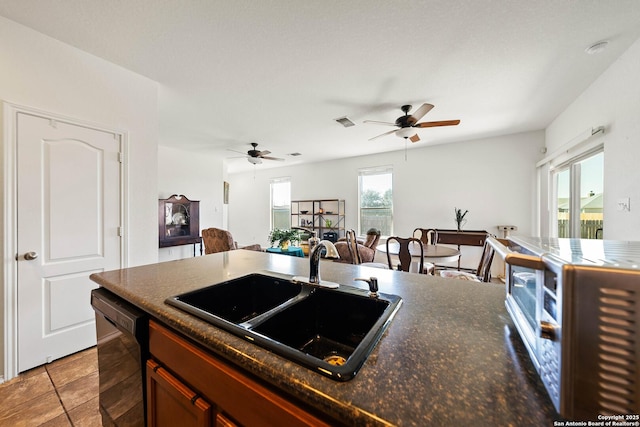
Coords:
331,331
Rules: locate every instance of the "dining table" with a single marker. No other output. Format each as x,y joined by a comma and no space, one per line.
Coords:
434,254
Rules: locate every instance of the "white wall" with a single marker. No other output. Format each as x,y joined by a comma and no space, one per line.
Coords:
493,178
40,72
198,176
613,100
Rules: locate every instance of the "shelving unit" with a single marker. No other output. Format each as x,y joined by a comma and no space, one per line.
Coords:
322,216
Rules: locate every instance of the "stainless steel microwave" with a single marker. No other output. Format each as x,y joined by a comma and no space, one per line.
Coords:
576,306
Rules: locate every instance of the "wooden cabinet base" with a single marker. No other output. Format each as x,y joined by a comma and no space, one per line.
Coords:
236,397
171,403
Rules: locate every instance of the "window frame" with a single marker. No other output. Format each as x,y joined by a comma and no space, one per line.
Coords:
379,170
574,167
272,208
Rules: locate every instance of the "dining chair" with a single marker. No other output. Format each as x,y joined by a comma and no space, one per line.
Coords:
371,242
426,235
352,247
481,274
218,240
354,252
404,255
347,248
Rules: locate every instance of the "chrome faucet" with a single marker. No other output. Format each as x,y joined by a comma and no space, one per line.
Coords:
314,259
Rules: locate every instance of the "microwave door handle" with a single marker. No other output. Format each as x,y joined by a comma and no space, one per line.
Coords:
515,258
499,246
527,261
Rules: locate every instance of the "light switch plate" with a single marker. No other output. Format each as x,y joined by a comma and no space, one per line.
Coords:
624,204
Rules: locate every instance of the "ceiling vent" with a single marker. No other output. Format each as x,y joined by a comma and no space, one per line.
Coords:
345,121
295,154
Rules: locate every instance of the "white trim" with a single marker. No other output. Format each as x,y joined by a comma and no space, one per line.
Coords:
588,151
9,218
9,241
280,179
563,153
375,170
124,199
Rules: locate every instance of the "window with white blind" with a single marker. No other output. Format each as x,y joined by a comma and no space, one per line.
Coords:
375,200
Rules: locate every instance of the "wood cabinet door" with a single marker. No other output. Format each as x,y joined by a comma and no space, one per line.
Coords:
237,397
171,403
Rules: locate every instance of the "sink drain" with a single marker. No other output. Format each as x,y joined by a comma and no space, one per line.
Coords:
335,359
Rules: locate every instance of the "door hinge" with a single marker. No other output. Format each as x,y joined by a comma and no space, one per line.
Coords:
120,231
120,156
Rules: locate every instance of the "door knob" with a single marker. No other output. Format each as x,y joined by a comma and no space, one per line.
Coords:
29,256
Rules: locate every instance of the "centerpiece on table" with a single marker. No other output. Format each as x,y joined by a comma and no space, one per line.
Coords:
284,237
460,220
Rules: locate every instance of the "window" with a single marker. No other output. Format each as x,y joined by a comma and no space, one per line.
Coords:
281,203
375,200
578,188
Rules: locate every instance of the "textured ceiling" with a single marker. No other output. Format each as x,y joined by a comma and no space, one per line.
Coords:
279,72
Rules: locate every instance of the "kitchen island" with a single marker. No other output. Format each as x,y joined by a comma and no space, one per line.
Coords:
450,356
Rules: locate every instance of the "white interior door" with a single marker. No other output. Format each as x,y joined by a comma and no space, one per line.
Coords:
68,215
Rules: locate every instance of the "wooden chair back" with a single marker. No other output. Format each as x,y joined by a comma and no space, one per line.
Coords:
352,245
426,235
404,256
484,267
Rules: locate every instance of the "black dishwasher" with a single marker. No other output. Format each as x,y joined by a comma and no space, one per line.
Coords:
122,334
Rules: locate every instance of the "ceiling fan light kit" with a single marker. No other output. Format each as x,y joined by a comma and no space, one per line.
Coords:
406,132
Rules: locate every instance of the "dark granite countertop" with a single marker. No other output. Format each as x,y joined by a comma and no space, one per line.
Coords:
451,355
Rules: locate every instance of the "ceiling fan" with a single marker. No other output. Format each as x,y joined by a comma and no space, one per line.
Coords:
255,156
408,124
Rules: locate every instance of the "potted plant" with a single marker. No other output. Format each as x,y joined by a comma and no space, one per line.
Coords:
460,221
284,237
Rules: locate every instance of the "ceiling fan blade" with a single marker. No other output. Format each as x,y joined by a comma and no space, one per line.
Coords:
420,112
414,138
436,124
379,123
271,158
236,151
384,134
263,153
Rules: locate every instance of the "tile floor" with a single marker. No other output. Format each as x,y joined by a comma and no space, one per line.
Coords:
61,393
